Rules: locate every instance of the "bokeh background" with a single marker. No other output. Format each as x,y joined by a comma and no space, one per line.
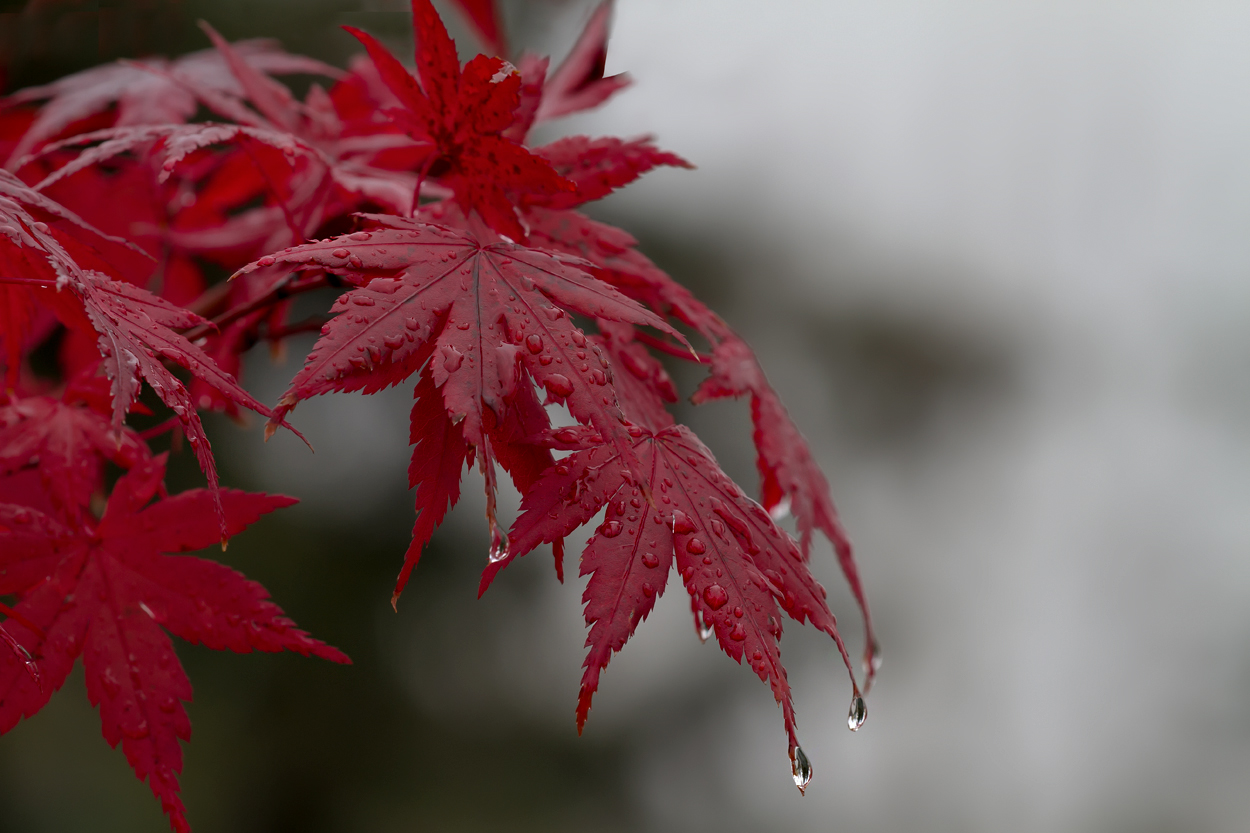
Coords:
994,256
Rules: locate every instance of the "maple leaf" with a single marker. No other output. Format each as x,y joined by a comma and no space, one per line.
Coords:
790,480
110,594
484,17
462,115
68,445
736,564
578,83
597,167
135,329
488,316
151,91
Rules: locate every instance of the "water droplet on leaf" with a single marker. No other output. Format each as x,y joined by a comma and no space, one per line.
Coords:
715,596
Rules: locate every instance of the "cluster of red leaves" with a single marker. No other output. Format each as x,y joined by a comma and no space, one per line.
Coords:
461,259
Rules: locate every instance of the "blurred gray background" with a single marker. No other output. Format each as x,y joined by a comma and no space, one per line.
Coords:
995,258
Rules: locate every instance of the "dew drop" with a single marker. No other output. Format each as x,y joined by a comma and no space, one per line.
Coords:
702,627
452,358
715,596
651,560
598,377
544,360
168,704
737,633
648,590
360,235
110,683
858,713
695,547
610,529
498,547
265,261
534,343
681,524
738,611
802,769
558,384
42,228
340,253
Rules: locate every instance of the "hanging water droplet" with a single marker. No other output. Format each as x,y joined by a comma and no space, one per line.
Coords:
702,627
858,713
802,768
498,548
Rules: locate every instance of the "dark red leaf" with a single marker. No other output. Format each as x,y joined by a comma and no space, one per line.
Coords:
110,594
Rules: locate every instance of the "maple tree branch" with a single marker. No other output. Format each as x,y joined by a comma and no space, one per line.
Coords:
665,346
311,324
280,292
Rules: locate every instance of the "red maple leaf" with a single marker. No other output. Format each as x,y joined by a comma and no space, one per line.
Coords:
135,329
68,445
151,91
736,564
484,17
462,115
110,593
488,316
578,83
790,480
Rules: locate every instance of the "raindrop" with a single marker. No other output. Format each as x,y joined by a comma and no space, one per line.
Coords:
858,713
265,261
702,627
695,547
611,529
340,253
737,633
534,343
498,547
651,560
802,769
452,358
558,384
715,596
